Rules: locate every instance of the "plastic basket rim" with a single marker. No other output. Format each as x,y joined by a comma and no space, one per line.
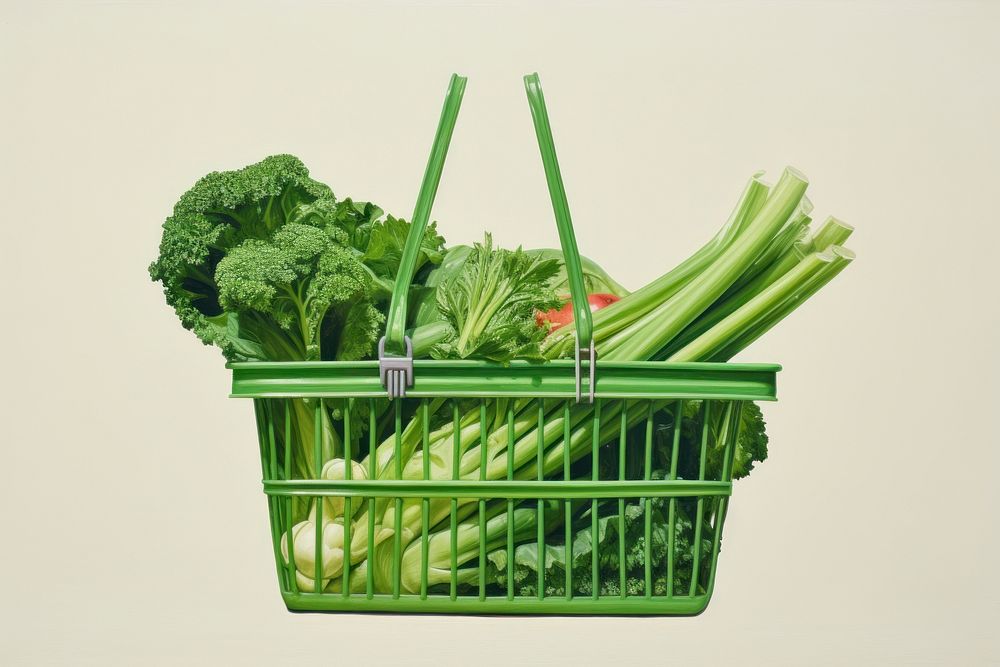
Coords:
517,363
483,379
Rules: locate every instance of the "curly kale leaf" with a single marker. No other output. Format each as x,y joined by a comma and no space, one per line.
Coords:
751,447
751,444
751,441
610,526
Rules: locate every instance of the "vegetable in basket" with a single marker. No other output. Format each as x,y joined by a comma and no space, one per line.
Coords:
554,318
268,265
489,304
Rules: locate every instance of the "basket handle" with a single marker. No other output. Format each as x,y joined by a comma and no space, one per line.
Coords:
397,371
567,237
395,328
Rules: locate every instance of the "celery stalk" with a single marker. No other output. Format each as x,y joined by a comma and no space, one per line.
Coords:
733,299
745,338
796,229
782,265
646,336
630,308
833,232
525,524
782,296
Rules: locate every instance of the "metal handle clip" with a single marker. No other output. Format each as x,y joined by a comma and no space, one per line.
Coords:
592,366
396,373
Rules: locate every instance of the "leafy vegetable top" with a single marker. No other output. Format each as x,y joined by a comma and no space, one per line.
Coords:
751,441
491,303
219,212
267,264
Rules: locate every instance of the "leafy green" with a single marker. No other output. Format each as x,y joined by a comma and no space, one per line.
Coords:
595,279
610,528
423,303
491,303
751,447
751,441
384,249
751,444
429,326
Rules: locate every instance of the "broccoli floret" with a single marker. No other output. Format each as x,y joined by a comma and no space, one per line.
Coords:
293,284
267,264
221,211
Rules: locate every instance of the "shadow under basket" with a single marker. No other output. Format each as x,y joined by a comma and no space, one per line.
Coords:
492,488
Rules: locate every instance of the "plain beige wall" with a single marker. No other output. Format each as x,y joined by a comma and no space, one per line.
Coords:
134,527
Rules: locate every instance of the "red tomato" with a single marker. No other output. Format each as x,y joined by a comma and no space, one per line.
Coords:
558,317
598,301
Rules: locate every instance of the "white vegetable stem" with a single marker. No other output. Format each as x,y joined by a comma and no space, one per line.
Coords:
303,548
335,470
304,554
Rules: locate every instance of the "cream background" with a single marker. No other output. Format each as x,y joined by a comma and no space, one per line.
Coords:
133,522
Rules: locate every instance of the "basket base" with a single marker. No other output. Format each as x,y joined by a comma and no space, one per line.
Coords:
442,604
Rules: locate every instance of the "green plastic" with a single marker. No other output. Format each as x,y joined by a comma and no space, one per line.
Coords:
554,379
720,387
637,404
567,237
396,319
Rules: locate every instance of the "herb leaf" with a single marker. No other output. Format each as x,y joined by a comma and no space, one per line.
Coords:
491,304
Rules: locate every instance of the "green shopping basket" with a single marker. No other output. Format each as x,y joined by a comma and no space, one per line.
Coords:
453,501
